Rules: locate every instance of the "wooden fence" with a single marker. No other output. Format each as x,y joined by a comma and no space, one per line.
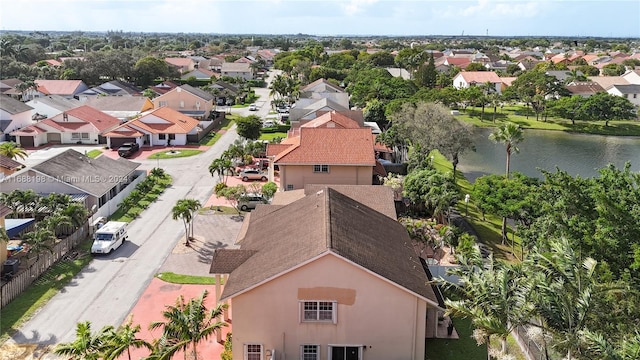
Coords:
32,270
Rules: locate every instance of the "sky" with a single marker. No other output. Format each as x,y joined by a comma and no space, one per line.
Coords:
579,18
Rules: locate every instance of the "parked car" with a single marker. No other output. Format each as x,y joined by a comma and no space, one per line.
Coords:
253,174
249,201
128,149
268,124
253,107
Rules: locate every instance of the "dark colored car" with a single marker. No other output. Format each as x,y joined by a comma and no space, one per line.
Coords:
128,149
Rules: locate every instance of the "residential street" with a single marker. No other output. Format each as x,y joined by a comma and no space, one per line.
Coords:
108,288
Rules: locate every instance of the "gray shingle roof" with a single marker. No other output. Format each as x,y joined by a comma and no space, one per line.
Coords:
13,106
198,92
9,163
94,176
326,222
628,89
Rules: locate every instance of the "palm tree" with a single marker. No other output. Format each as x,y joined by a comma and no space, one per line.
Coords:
187,324
77,213
222,167
185,209
117,341
11,201
12,150
86,345
509,134
55,220
27,200
39,240
491,296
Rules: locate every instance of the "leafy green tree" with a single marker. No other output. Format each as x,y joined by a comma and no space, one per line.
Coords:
187,324
269,189
249,127
375,112
568,107
149,68
613,70
433,190
12,150
534,86
605,107
233,194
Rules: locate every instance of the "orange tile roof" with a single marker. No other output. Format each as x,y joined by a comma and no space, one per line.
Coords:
480,77
124,131
331,147
31,130
94,116
175,122
178,61
58,87
342,121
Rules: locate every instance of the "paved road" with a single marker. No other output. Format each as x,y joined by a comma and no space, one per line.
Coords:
108,288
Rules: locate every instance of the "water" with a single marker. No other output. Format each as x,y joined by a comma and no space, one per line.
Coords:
578,154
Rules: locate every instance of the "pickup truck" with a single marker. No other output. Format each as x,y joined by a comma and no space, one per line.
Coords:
128,149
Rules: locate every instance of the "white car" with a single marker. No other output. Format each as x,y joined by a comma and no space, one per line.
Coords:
268,124
253,107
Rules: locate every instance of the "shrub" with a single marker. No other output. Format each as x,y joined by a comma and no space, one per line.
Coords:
219,188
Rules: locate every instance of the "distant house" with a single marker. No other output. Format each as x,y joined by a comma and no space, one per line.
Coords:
111,88
199,74
14,115
466,79
164,87
630,92
325,156
584,89
97,181
122,107
608,81
51,105
311,108
160,127
329,120
323,265
182,64
8,166
235,69
8,87
68,89
81,125
562,75
187,100
632,76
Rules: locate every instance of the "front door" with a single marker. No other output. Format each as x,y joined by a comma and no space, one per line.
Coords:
345,353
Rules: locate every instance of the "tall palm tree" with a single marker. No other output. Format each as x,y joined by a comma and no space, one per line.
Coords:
510,135
86,345
77,213
221,167
117,341
27,200
12,150
185,210
186,325
55,220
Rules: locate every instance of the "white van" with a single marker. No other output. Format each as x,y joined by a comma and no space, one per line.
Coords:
109,237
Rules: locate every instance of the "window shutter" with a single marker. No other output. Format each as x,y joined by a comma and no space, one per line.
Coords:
334,308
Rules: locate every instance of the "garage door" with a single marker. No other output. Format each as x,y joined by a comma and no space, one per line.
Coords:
26,141
116,142
55,138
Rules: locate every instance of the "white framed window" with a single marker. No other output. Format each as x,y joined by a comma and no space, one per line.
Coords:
320,168
85,136
163,103
75,136
309,352
162,136
253,352
181,104
318,310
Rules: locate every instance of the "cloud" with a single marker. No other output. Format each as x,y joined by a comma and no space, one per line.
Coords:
356,6
504,8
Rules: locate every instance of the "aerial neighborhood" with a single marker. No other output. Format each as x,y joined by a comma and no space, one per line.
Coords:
318,197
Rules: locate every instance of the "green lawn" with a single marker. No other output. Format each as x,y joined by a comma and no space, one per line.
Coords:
94,153
489,230
271,136
186,279
518,115
26,304
463,348
214,135
178,154
147,199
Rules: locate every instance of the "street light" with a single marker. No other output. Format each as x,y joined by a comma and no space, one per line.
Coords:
466,204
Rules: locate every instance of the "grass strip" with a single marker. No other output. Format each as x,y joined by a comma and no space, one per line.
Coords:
186,279
171,154
453,349
94,153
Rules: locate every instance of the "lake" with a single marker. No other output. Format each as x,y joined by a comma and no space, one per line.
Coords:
578,154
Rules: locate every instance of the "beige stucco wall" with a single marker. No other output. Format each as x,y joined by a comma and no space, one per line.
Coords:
300,175
388,320
183,100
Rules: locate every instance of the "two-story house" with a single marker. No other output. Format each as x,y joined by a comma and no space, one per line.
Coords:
466,79
14,115
326,277
188,100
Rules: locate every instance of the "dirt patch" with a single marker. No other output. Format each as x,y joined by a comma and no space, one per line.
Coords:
197,244
22,351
